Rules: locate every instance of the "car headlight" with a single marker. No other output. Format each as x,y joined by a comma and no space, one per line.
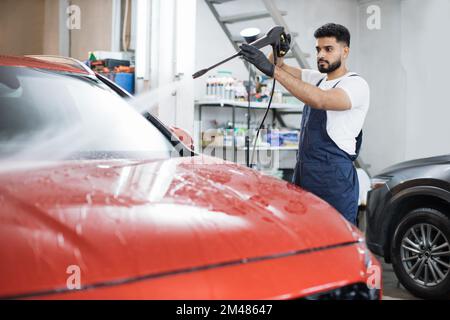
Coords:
379,182
362,247
365,253
357,291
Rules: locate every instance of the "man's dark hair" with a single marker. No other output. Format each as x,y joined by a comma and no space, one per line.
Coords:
337,31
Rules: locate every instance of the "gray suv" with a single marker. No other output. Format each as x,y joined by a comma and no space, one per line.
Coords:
408,223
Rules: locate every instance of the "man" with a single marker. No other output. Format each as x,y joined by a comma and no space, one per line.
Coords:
336,103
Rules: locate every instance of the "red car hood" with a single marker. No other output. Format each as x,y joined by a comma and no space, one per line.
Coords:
117,220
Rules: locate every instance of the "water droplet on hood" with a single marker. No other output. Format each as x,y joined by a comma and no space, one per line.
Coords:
83,213
60,238
78,229
89,199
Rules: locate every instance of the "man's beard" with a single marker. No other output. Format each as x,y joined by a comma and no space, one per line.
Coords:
331,67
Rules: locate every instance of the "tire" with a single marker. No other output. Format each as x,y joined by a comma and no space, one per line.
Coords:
421,264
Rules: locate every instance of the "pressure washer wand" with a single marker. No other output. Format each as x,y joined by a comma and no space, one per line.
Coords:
273,38
203,71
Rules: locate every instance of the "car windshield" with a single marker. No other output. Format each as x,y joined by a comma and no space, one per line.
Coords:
48,115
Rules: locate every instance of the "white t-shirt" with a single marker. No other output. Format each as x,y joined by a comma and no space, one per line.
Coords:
344,126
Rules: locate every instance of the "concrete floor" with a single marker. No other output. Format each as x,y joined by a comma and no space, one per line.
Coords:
392,289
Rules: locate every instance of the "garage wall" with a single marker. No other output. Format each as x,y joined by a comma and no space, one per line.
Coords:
96,28
425,48
409,112
51,44
380,64
32,27
22,26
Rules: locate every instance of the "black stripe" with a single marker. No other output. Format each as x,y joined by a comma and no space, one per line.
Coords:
320,81
175,272
352,75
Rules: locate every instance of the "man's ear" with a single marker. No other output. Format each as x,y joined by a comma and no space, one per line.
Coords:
346,52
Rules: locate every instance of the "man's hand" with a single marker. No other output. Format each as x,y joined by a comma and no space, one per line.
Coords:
258,59
280,61
285,46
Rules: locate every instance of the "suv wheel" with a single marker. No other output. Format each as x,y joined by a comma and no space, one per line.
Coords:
421,253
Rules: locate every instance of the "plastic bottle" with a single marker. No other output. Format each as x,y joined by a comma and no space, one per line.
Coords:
221,89
231,88
213,87
208,88
227,89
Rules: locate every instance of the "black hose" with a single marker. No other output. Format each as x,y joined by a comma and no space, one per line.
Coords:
267,110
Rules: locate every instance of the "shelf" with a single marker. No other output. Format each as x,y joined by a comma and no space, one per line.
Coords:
271,148
278,109
253,104
281,148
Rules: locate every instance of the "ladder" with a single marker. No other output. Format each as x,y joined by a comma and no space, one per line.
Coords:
270,11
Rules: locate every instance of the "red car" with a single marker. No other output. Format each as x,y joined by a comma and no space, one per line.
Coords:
99,202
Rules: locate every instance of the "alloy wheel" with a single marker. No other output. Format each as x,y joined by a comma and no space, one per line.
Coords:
425,254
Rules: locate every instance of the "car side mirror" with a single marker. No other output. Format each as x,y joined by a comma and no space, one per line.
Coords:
184,137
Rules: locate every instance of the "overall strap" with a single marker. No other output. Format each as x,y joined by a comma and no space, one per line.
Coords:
307,110
352,75
320,81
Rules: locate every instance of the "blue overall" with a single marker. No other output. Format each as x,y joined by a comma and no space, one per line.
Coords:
323,168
